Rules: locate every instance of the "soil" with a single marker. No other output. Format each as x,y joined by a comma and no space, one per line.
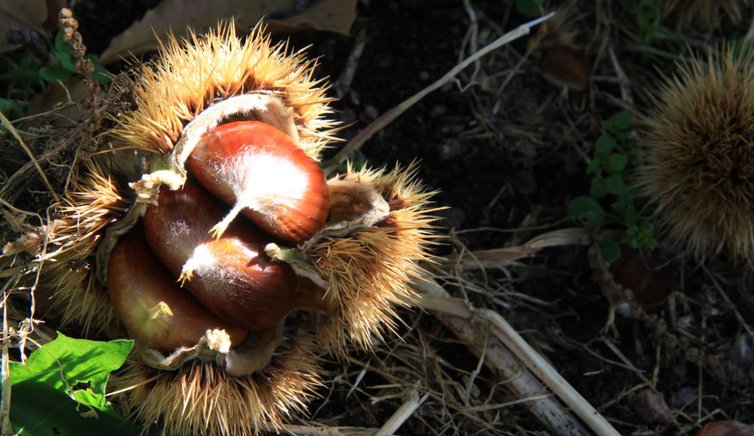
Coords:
505,149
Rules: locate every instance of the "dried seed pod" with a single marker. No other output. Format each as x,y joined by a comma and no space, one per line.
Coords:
261,172
154,310
231,276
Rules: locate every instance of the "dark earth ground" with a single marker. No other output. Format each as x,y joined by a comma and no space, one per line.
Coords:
507,166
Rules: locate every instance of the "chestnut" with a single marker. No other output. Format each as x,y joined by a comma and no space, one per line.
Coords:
726,428
263,174
232,276
650,282
155,311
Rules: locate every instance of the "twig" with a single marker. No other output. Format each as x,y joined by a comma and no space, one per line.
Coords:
5,425
389,116
306,430
623,80
8,125
402,414
741,321
507,353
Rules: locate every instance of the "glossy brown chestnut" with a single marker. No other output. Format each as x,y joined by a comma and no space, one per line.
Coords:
153,308
726,428
650,282
232,276
564,66
261,172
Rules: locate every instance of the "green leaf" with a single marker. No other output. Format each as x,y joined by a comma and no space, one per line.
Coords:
641,236
617,162
598,189
67,61
39,409
594,167
529,8
605,144
65,364
623,120
54,74
610,251
101,75
615,184
588,210
63,51
25,74
12,108
61,45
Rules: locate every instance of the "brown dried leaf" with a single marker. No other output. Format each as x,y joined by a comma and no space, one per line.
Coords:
17,15
181,15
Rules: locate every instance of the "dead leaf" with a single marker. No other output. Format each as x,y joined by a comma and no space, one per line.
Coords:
20,15
71,91
181,15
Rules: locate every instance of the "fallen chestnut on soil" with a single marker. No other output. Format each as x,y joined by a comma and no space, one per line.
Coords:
264,175
650,282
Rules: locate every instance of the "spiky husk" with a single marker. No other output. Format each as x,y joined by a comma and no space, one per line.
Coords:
370,270
191,74
93,203
697,155
200,398
705,14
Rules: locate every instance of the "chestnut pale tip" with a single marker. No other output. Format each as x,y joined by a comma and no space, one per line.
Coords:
154,310
261,172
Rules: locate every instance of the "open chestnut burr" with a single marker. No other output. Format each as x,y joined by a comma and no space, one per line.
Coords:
230,258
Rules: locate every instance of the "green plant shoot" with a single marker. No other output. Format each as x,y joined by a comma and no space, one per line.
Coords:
610,200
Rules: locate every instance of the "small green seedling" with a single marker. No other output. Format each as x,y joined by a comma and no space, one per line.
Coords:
610,201
66,67
648,15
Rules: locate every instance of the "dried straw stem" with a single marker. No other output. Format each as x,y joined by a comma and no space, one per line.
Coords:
506,352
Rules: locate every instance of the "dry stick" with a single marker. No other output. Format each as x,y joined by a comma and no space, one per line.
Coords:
402,414
506,349
8,125
305,430
390,116
5,425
